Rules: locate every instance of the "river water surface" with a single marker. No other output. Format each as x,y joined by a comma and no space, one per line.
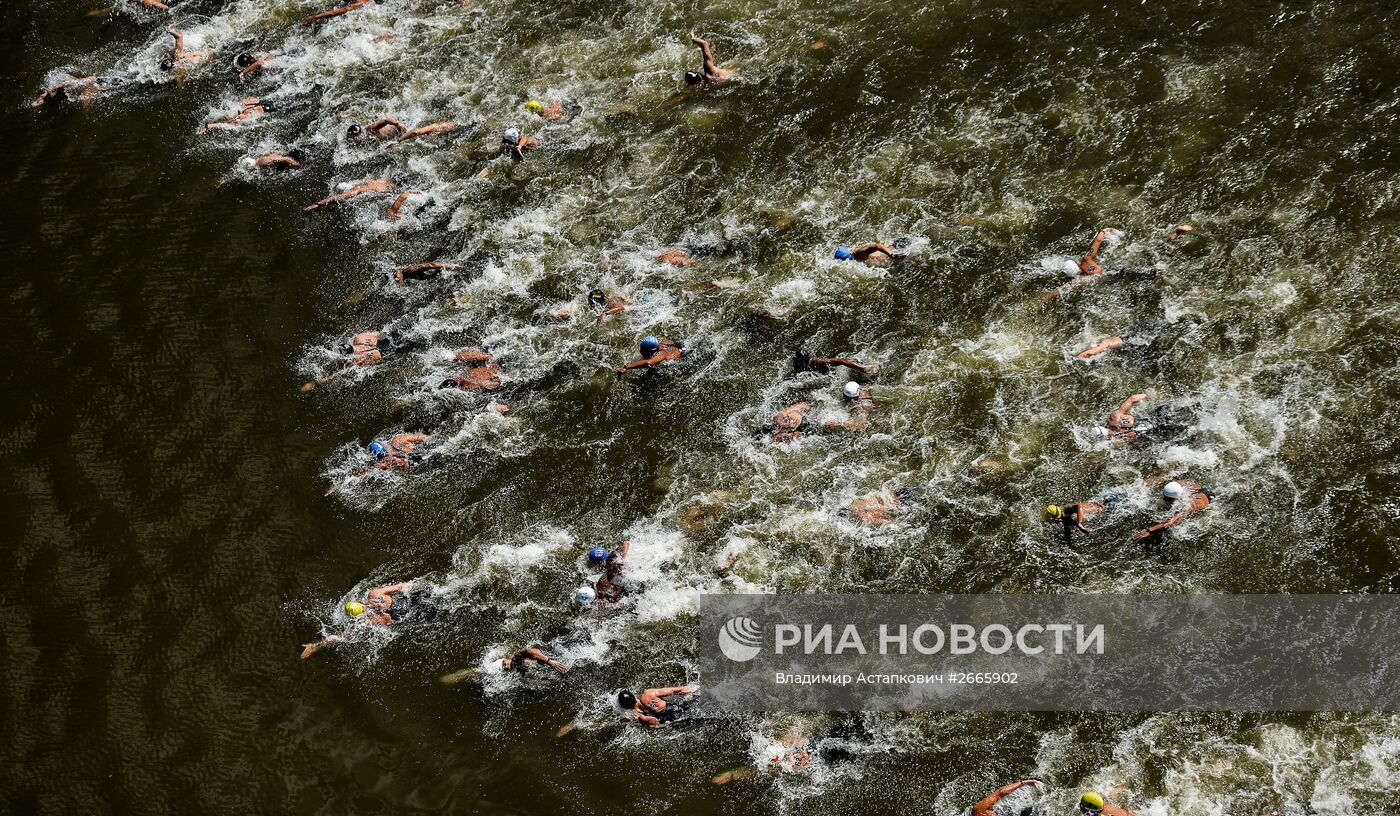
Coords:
171,545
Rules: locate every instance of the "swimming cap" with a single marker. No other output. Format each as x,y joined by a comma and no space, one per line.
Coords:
354,608
1091,802
249,163
379,449
243,60
597,296
844,254
1100,432
511,136
353,131
448,383
167,64
534,106
585,595
342,187
1053,512
1173,490
850,390
650,345
626,699
598,555
692,78
499,664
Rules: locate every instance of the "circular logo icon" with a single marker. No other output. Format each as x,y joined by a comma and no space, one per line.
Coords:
740,639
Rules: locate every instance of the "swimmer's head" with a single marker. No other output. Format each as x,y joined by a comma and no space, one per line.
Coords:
649,345
1173,490
627,700
1091,802
585,595
244,60
297,155
844,254
1053,512
267,105
354,609
597,555
249,163
379,449
534,106
850,390
801,359
597,296
354,131
449,383
1100,432
342,187
502,664
693,78
167,64
511,136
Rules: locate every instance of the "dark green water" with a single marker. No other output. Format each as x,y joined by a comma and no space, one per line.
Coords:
171,547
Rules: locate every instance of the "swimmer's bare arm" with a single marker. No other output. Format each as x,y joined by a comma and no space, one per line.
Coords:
424,131
155,4
646,362
1114,810
647,719
536,654
179,42
1100,347
711,69
1089,264
985,807
335,12
393,213
1126,408
407,272
278,160
379,127
670,690
841,361
255,66
617,306
873,247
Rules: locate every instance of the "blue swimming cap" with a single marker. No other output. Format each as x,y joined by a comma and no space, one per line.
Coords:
650,345
379,449
844,254
598,554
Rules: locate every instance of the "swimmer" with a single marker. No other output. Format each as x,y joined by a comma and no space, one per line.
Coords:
352,190
154,4
481,371
655,351
1073,516
1144,332
1197,498
598,299
1089,264
878,510
802,360
248,65
423,271
517,143
1122,425
861,404
398,454
523,658
368,348
291,160
424,130
868,254
378,129
336,12
77,90
1093,804
613,585
1180,230
987,807
651,706
676,257
248,108
383,606
180,58
789,424
710,74
394,212
554,111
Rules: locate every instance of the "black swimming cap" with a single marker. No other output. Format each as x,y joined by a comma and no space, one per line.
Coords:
167,64
353,131
692,78
297,154
267,105
597,296
244,60
626,699
448,384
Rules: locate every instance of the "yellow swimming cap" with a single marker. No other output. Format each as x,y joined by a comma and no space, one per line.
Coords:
1091,802
1053,512
355,608
534,106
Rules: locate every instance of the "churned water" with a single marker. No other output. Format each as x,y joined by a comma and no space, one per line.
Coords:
172,542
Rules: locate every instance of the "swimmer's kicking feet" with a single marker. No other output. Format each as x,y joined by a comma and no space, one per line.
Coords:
423,271
336,12
873,252
710,74
350,191
652,708
655,351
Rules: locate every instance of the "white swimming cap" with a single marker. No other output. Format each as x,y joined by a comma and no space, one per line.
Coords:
851,390
249,163
1100,432
511,135
1173,490
499,664
585,595
342,187
1071,268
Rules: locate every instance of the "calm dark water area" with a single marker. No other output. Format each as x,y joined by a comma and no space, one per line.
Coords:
170,545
